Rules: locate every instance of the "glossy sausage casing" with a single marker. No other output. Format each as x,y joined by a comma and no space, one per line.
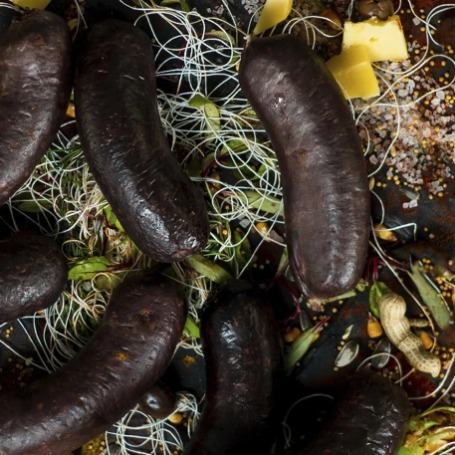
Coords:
33,274
324,178
370,418
35,84
126,148
128,353
242,355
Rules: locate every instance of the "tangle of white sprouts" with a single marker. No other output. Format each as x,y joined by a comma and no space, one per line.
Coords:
138,433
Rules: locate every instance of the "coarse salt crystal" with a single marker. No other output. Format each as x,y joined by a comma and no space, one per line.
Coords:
373,159
440,94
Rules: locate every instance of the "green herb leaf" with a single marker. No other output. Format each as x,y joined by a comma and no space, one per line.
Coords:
267,204
84,270
198,101
112,219
207,268
299,347
242,249
431,297
211,112
35,205
183,5
191,328
378,289
222,36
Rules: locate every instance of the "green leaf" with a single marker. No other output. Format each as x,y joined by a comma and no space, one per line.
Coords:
299,347
183,5
84,270
346,295
198,101
405,451
108,282
378,289
211,111
213,116
194,168
267,204
35,205
231,146
283,262
191,328
207,268
222,36
112,219
242,248
431,297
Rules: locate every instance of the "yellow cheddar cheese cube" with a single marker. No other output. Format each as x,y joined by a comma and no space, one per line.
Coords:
34,4
354,73
384,40
273,12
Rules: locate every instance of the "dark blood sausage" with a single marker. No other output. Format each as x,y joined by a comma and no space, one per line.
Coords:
159,401
370,418
128,353
242,356
33,274
35,84
126,148
324,178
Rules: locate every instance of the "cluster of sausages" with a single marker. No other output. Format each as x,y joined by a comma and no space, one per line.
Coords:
327,211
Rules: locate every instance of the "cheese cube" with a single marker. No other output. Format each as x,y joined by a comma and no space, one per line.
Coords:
273,12
385,40
35,4
354,73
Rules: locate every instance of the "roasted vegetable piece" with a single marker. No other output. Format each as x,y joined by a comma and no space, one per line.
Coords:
129,352
33,274
126,148
325,185
35,84
242,355
369,418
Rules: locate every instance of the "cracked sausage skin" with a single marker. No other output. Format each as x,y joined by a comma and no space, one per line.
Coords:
125,146
243,368
35,85
33,274
128,353
325,185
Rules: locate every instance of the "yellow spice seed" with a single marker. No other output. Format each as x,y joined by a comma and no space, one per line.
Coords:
385,234
71,111
374,328
263,228
371,183
292,335
426,339
176,418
